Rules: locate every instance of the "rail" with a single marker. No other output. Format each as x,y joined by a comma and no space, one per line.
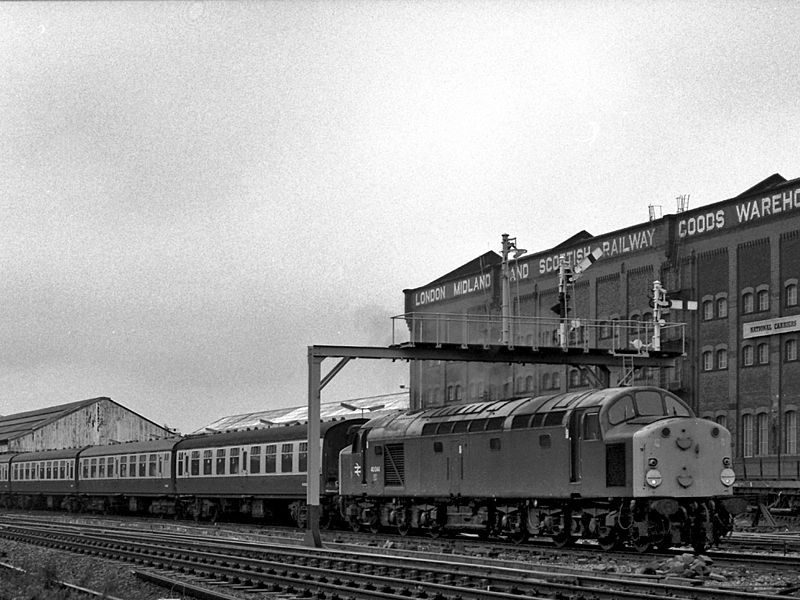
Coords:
465,330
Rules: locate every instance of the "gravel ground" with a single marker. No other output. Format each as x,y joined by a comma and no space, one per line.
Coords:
110,577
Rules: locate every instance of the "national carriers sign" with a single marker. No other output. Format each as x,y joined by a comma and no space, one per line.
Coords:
770,327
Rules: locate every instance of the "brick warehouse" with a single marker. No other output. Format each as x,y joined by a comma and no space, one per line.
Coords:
739,259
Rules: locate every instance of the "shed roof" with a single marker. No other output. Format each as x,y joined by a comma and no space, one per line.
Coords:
17,425
357,407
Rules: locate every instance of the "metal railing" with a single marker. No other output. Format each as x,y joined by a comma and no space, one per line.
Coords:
464,330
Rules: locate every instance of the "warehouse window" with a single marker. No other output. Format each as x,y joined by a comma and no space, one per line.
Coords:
287,451
546,381
747,435
221,461
708,310
790,293
708,362
255,459
556,381
722,306
763,299
721,420
747,302
790,432
270,462
747,355
790,349
722,358
762,424
763,354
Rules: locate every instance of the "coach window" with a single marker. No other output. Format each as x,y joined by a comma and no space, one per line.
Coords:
151,466
255,459
221,461
208,462
233,461
123,467
287,450
747,301
195,463
93,468
790,292
303,457
142,465
47,469
270,462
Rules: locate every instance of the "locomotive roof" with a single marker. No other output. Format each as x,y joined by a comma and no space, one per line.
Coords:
159,445
413,421
259,436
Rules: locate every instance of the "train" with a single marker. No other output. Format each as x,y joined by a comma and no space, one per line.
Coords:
622,466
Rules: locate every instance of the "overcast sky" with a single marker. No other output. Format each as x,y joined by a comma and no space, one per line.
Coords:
193,193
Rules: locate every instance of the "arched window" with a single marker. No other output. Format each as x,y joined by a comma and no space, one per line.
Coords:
747,435
747,355
721,420
722,307
763,354
574,378
790,432
556,381
747,302
529,383
708,310
790,349
459,397
722,358
708,360
790,294
763,300
546,381
762,422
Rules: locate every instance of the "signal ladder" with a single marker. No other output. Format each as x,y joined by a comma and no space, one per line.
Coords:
628,369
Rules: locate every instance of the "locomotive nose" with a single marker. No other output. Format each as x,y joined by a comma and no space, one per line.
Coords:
684,441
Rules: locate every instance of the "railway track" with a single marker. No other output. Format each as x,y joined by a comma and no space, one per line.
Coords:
259,568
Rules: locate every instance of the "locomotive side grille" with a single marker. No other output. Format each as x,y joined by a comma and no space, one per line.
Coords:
615,465
394,465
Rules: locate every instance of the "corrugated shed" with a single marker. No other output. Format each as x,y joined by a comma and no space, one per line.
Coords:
86,422
355,408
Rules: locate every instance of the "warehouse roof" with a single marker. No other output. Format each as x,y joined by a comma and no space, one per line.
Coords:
14,426
357,407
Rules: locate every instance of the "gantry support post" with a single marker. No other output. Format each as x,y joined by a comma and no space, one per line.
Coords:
312,537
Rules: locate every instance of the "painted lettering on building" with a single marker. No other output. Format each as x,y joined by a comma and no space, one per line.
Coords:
770,326
738,214
621,244
468,285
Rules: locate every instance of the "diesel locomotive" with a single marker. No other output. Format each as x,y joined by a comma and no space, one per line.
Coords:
628,465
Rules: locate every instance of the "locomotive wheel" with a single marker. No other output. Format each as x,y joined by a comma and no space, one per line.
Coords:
641,543
435,531
374,525
609,542
403,529
519,536
563,539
